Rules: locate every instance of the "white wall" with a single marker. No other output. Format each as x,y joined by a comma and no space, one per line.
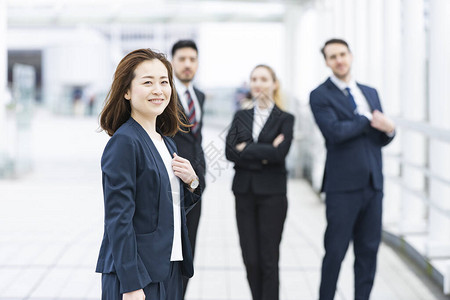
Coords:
229,51
3,69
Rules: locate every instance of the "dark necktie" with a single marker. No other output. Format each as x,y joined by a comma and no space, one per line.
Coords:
351,99
191,113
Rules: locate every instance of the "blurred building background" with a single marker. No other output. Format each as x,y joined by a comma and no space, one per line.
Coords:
60,56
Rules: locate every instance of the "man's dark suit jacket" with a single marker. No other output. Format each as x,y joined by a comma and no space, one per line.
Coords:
190,146
353,146
138,234
260,167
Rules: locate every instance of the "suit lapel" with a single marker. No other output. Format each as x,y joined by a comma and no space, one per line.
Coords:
248,120
274,114
159,164
200,99
154,152
180,105
339,100
172,150
367,96
168,145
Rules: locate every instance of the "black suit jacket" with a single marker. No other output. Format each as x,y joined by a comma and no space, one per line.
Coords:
138,233
353,146
190,146
260,167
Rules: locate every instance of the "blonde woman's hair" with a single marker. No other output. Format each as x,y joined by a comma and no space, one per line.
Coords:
277,92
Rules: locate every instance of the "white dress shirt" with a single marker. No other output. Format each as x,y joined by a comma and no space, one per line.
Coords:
362,106
177,249
260,117
181,90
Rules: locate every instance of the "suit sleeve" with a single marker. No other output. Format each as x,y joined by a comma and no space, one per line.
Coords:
265,151
191,198
119,187
334,130
384,138
233,138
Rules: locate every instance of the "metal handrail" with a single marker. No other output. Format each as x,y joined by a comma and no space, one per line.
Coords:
426,129
421,195
426,171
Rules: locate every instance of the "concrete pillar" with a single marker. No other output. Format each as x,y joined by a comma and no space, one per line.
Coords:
291,25
289,85
348,18
390,97
3,83
438,243
338,17
375,43
414,109
360,45
315,27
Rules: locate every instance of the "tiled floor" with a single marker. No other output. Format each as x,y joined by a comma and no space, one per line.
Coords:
51,227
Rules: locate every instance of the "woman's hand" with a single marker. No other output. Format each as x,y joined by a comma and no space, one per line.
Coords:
241,146
278,140
182,169
134,295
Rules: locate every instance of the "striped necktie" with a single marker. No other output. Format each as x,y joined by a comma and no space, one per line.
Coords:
191,113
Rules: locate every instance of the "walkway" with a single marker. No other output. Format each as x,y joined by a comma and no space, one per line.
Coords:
51,224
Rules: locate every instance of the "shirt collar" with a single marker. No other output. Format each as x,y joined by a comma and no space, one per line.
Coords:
342,84
265,110
181,88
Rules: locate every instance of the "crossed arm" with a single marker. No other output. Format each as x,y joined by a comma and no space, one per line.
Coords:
338,131
253,155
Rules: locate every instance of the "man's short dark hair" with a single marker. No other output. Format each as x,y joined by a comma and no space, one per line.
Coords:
334,41
184,44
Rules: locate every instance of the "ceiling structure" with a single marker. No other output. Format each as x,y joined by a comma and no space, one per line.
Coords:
26,13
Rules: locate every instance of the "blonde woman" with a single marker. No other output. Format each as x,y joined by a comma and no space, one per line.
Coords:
258,142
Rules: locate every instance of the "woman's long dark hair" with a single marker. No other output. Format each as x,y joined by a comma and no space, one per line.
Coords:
117,109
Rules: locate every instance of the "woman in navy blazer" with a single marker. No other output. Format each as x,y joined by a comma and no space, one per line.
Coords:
258,142
145,248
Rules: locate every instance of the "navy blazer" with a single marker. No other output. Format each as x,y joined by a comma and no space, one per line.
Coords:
138,233
260,167
190,146
353,146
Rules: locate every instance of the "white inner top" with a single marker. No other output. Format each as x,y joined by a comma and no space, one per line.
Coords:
260,117
177,250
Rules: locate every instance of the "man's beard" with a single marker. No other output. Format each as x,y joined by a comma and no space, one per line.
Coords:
184,79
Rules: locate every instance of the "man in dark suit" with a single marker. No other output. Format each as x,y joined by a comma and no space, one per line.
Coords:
189,144
350,118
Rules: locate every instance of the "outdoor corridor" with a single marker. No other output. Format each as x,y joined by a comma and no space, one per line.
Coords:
51,225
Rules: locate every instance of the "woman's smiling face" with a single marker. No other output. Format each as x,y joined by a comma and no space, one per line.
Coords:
150,90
